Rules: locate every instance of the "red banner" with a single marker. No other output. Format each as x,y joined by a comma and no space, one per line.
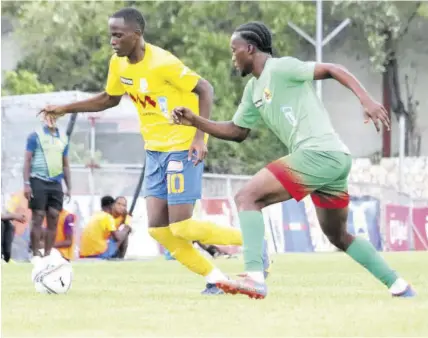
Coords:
420,231
397,221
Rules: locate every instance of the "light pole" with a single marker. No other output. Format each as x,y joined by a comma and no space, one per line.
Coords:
319,41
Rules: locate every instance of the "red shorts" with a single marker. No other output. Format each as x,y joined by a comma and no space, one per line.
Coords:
321,174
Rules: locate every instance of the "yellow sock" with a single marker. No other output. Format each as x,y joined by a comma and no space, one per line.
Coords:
206,232
182,250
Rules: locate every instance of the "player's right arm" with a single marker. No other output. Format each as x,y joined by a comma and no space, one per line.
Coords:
99,102
237,130
109,98
29,151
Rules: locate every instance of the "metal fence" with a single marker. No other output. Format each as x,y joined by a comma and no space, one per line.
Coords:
118,180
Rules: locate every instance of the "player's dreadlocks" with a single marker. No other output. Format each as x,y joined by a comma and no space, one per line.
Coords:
131,15
257,34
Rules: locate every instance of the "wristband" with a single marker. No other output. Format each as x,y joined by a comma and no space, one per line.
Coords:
27,183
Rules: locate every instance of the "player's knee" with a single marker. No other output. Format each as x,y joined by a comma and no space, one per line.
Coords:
340,239
240,198
154,233
183,230
245,199
158,221
52,218
37,218
52,213
161,235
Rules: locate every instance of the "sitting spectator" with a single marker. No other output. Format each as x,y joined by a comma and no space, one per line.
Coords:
100,238
64,240
121,219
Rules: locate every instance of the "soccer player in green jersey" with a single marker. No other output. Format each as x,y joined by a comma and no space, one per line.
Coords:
318,164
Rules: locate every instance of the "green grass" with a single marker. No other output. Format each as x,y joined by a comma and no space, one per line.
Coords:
323,295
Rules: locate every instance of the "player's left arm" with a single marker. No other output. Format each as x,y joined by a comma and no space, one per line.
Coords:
205,92
185,79
68,233
300,71
338,72
372,109
66,169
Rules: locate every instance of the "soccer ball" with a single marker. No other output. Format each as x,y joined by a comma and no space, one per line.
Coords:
52,275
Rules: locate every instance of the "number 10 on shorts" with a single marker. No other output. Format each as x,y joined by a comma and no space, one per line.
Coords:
175,183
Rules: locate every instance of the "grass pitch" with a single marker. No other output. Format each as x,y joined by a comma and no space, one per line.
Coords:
323,295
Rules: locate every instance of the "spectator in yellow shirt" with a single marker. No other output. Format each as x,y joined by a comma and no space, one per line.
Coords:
100,238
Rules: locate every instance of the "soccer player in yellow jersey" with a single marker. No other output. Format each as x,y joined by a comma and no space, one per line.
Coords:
157,82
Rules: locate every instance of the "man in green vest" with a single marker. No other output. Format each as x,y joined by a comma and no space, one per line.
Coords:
45,166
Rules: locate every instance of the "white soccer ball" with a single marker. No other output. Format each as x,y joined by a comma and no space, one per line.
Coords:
52,275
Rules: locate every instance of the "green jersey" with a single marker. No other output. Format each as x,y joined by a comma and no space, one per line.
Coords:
283,96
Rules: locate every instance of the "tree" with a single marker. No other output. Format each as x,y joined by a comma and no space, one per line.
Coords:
384,24
423,10
24,82
71,50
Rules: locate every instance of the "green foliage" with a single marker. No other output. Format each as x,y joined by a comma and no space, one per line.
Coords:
70,49
423,10
379,21
384,23
23,82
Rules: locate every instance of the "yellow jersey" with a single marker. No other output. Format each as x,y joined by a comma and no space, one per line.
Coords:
118,221
95,235
157,84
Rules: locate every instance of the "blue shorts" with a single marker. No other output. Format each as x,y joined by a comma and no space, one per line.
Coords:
111,250
172,177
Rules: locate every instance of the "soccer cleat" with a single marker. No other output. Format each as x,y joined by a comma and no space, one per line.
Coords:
267,263
244,286
212,289
407,293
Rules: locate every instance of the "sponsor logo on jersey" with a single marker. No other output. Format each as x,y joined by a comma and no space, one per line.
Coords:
175,166
126,81
163,104
144,86
144,101
289,115
267,95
